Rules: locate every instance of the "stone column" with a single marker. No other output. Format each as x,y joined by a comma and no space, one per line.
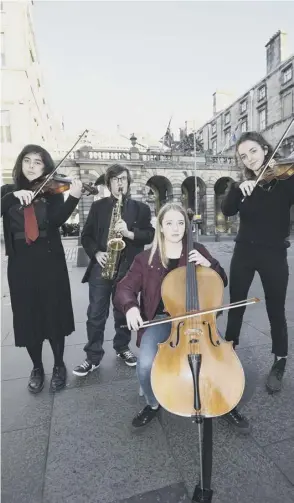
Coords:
177,193
210,210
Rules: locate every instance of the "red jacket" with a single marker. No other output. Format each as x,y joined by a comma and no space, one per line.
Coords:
147,279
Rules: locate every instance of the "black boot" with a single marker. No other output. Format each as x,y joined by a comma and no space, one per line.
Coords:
36,381
144,416
274,380
239,422
58,380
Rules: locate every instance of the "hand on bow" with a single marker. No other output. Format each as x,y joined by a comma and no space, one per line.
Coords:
134,320
195,256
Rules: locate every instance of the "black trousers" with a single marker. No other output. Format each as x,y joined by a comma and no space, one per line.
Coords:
100,292
272,267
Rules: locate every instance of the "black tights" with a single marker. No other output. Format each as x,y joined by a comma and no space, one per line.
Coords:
35,352
272,267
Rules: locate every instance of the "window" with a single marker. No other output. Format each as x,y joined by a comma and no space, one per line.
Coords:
227,138
200,136
227,118
287,74
213,128
243,106
44,101
287,104
214,147
244,126
261,93
5,127
262,119
1,6
2,50
38,82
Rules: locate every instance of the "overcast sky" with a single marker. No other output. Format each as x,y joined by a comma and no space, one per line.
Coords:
134,64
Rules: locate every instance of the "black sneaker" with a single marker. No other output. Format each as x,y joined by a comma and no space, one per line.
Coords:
58,380
129,358
36,381
274,380
239,422
144,416
84,369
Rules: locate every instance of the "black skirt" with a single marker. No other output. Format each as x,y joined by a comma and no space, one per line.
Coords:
40,293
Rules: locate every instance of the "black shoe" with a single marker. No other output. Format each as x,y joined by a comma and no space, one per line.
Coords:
274,380
58,380
84,369
239,422
144,416
36,381
129,358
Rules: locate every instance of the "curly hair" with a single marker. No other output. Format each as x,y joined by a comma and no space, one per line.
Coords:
258,138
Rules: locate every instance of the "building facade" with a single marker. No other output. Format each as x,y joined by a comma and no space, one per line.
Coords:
267,107
25,114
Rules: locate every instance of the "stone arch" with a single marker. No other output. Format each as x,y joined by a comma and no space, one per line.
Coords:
188,198
223,224
158,191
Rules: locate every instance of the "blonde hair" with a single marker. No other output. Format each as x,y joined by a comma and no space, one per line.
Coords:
158,241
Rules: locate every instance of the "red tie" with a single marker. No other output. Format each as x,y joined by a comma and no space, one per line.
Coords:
30,224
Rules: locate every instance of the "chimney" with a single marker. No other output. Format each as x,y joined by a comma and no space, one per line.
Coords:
276,51
221,100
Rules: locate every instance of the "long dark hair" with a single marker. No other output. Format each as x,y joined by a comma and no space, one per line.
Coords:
19,179
258,138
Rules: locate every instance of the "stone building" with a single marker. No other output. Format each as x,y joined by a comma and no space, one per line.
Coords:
26,116
267,107
160,177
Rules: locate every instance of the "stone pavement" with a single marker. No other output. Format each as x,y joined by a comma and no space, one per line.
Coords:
77,446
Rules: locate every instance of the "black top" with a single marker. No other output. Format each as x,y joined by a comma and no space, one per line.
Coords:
265,215
94,235
172,264
51,212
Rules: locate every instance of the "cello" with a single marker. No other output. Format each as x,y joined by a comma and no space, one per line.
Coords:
196,373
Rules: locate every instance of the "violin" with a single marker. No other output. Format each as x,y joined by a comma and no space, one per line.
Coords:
283,170
195,373
58,184
55,184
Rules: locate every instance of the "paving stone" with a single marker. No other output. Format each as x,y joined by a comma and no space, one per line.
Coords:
23,409
100,458
23,463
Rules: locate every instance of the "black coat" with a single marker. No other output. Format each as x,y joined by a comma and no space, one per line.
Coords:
37,273
137,216
58,212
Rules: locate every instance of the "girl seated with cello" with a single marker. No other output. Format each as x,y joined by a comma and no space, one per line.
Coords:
261,243
37,272
169,251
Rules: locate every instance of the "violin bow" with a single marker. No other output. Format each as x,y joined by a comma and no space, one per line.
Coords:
48,177
272,156
169,319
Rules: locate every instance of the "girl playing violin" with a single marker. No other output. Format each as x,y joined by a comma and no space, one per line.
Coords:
145,277
261,245
37,272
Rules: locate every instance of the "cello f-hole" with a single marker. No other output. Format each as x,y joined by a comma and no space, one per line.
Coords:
210,334
172,345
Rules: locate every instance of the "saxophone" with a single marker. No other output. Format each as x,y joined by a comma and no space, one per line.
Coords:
115,243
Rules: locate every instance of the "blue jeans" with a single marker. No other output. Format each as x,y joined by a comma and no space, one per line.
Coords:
148,349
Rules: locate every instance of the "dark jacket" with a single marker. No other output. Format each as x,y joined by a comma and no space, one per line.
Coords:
137,216
147,279
57,211
265,215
